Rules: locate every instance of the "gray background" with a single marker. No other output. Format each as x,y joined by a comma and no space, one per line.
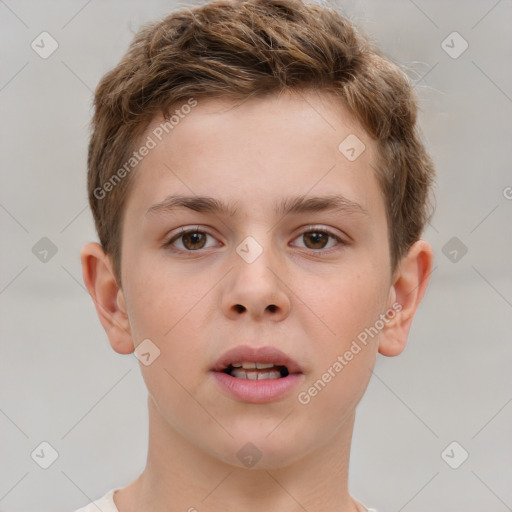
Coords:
61,382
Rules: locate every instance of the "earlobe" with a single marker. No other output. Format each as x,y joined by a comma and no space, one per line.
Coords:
409,286
108,298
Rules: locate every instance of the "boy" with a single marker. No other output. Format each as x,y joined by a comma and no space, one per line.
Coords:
259,190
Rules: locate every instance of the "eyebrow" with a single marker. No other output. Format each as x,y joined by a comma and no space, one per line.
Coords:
298,204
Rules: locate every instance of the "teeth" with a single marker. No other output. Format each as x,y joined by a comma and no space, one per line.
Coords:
252,366
240,373
264,365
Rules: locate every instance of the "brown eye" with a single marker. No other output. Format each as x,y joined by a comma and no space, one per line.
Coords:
318,239
189,241
194,240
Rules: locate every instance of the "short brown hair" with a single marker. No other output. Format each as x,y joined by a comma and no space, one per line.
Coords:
236,49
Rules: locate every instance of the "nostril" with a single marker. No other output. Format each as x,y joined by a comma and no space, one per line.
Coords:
272,307
239,308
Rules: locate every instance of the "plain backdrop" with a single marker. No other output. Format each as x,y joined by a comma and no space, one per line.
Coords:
61,383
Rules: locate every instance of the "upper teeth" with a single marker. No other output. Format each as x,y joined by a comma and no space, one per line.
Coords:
250,366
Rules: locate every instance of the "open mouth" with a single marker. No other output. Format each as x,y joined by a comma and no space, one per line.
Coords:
256,374
256,371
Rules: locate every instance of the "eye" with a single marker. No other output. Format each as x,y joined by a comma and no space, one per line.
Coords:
318,239
190,240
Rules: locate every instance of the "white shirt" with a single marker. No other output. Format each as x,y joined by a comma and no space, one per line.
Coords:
106,504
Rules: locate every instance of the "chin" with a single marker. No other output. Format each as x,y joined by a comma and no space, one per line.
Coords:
255,449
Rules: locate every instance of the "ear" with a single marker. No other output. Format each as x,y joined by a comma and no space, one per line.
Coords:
107,297
409,285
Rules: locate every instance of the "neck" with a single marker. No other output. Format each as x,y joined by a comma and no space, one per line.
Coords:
180,476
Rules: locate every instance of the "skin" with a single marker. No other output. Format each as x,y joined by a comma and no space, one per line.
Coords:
254,154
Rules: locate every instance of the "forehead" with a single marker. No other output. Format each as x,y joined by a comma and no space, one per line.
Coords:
255,152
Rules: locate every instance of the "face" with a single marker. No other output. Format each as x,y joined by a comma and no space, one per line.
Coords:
297,262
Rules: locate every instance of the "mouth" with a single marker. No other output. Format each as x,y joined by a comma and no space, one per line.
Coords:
256,363
256,375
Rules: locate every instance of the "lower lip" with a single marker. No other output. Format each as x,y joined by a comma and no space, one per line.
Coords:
257,391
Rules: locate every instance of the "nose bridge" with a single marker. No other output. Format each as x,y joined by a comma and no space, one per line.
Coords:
257,261
255,286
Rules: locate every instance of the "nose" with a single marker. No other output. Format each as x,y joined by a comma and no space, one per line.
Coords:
256,289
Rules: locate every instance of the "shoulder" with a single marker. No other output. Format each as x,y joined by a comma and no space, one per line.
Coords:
105,504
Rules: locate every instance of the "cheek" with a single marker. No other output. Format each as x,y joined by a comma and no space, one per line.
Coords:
162,312
164,315
346,342
159,299
342,304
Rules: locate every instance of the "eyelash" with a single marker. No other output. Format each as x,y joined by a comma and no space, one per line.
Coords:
185,231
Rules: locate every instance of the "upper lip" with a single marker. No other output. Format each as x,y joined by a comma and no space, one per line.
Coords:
246,353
